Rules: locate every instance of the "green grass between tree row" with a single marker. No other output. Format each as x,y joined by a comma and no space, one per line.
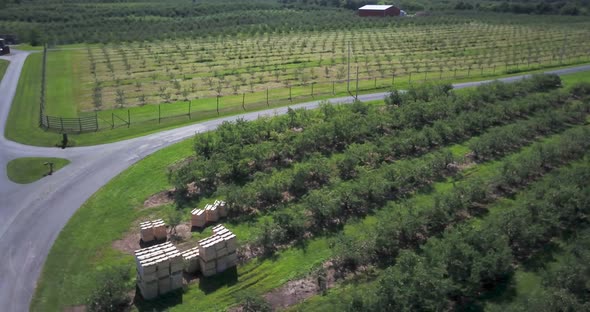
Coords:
30,169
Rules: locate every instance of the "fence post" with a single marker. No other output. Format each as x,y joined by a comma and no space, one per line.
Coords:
128,118
375,82
333,88
61,120
189,108
47,119
80,123
218,105
244,100
267,103
159,112
312,89
96,120
112,120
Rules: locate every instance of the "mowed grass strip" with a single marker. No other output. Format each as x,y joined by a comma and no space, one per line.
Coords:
62,85
30,169
3,67
22,124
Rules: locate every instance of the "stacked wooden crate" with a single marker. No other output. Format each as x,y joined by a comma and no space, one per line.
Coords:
198,218
191,260
213,254
153,230
211,213
147,231
218,252
221,208
159,269
159,229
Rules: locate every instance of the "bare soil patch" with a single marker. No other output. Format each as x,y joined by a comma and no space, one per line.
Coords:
296,291
292,293
183,233
159,199
129,244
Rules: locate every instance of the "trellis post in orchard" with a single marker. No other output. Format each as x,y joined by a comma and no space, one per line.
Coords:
159,112
243,101
267,102
217,105
189,108
356,97
112,120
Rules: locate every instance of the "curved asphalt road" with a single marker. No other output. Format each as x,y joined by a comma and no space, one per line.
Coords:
32,215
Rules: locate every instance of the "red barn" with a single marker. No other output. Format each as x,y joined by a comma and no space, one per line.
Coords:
378,10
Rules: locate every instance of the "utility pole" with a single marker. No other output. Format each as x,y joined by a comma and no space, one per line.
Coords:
348,80
356,97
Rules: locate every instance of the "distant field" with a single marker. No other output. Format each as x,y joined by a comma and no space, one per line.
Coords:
278,67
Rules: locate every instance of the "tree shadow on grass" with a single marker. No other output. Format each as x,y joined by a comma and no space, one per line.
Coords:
500,291
541,258
210,284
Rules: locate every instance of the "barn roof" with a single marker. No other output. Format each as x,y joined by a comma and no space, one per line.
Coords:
374,7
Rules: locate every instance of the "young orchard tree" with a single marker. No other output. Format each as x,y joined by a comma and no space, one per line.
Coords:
97,98
174,219
235,87
120,98
142,100
177,86
219,88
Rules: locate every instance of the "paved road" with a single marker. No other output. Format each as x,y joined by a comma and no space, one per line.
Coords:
32,215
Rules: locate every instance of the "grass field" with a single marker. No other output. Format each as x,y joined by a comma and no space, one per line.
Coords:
30,169
3,66
118,206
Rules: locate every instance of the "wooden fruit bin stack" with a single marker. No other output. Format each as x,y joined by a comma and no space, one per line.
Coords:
213,254
159,269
